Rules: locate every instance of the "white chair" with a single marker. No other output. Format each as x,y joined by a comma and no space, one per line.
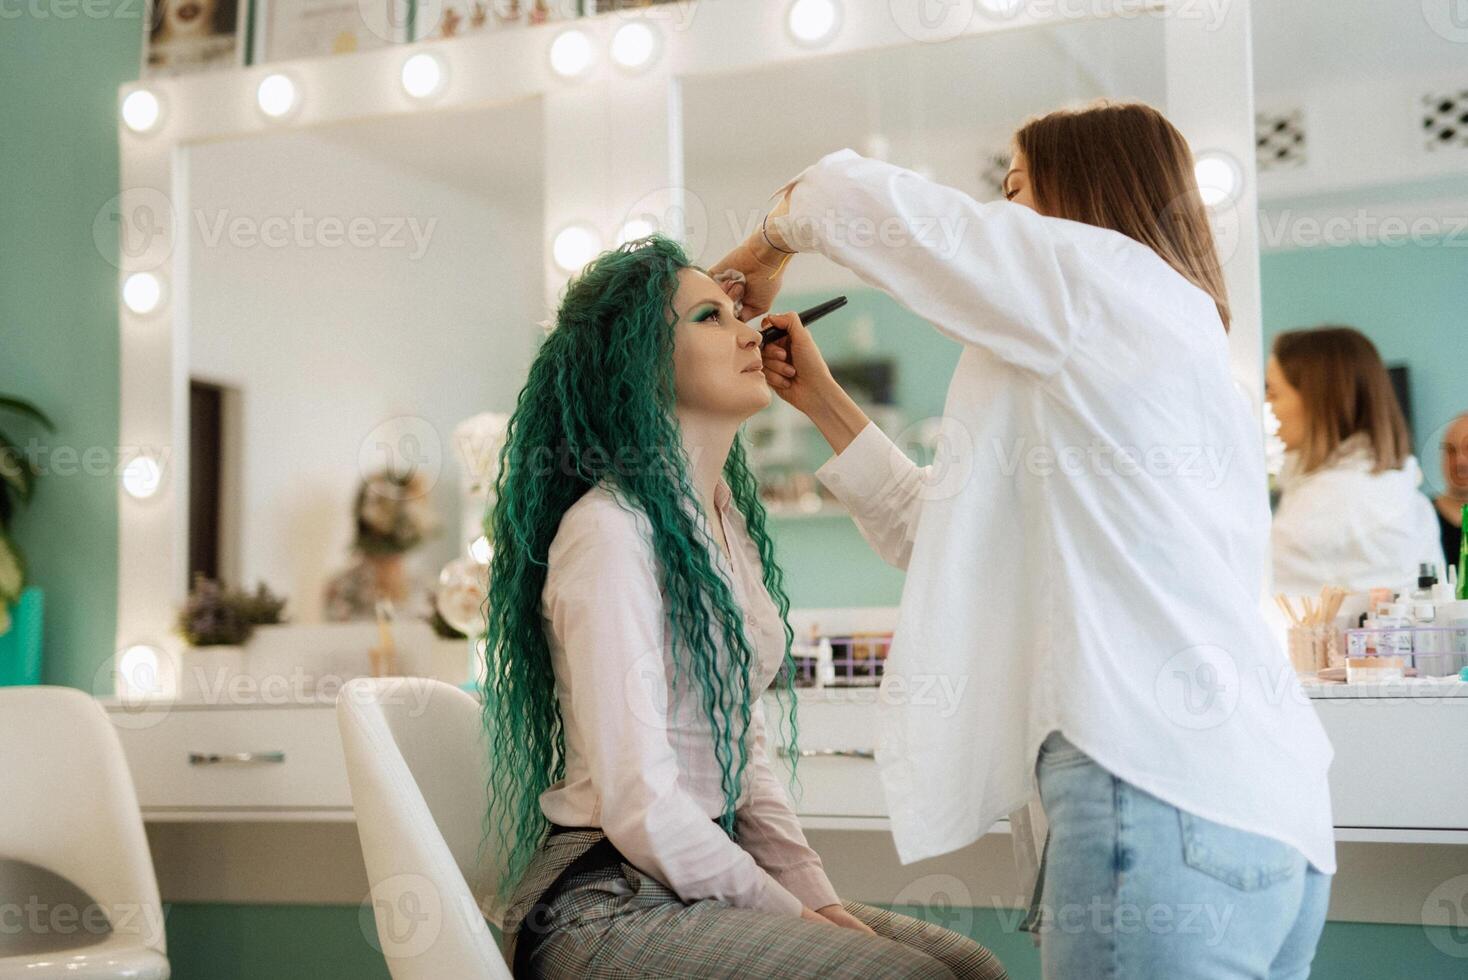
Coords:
71,837
417,759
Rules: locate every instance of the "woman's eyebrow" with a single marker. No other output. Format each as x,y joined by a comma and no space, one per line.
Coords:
699,308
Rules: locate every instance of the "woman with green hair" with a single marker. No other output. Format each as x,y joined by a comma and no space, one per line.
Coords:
635,616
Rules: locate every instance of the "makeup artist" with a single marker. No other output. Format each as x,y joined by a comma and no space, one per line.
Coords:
1351,509
1091,417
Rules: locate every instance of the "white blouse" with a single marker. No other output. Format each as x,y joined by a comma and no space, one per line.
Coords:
1343,524
1087,553
639,754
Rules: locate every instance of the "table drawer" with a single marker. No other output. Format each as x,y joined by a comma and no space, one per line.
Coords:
1398,762
190,758
837,775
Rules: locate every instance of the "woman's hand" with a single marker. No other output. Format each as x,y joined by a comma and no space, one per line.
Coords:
763,266
837,915
764,274
796,370
794,366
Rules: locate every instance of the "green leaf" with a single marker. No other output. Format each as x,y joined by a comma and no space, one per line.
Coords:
24,408
12,570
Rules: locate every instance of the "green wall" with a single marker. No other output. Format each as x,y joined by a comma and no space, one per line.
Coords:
58,309
59,71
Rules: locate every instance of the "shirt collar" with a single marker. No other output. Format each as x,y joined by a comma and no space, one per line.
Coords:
722,494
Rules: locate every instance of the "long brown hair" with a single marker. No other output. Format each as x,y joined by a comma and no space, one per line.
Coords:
1345,389
1123,166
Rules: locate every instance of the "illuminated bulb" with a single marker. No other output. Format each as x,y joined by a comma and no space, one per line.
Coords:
1218,178
635,228
570,53
141,111
575,246
142,292
137,669
276,95
423,75
480,550
141,477
634,45
813,22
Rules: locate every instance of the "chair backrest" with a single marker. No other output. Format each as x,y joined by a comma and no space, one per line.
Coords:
70,807
417,759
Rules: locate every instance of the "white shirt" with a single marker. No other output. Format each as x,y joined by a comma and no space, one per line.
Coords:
1344,525
639,756
1087,552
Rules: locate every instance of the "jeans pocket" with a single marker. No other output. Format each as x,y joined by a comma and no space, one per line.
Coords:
1245,860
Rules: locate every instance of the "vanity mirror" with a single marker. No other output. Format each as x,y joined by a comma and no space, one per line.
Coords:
330,263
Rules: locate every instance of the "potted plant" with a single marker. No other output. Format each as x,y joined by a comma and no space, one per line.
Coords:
217,622
20,605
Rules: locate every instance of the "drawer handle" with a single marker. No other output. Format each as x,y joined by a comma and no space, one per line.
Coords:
233,758
835,753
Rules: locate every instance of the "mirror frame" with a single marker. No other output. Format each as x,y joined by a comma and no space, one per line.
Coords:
610,135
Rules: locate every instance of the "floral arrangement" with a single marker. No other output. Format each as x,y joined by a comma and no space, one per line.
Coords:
393,513
215,615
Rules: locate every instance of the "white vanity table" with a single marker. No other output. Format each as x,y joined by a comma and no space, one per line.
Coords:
283,762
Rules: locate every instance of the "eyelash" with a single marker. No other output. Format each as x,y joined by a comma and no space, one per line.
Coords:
1009,195
716,312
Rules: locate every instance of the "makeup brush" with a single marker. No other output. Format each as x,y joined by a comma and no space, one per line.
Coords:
769,334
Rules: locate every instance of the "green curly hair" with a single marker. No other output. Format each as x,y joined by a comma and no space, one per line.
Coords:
601,387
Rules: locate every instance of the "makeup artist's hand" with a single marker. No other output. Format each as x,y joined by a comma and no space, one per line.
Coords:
763,275
837,915
794,366
762,264
797,372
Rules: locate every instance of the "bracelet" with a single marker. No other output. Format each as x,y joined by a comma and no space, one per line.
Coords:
766,234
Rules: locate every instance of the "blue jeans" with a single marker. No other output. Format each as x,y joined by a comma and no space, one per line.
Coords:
1135,888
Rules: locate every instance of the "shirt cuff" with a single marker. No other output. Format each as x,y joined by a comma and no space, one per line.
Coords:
811,886
857,473
777,898
801,231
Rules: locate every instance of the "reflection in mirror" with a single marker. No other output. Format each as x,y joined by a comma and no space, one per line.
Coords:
354,293
945,110
1362,200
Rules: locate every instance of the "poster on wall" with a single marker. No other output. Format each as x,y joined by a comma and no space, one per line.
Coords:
288,29
457,18
193,35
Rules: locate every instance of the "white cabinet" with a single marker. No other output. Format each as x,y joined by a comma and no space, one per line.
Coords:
1400,773
235,762
1401,767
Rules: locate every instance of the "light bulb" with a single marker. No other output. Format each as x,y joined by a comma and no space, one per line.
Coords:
423,75
137,670
813,22
570,53
635,228
634,45
141,111
276,95
1218,177
141,477
142,292
574,246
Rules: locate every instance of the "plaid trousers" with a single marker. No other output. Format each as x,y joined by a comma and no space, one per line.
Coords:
630,925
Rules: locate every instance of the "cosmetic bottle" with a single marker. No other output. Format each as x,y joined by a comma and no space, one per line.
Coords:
1396,640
